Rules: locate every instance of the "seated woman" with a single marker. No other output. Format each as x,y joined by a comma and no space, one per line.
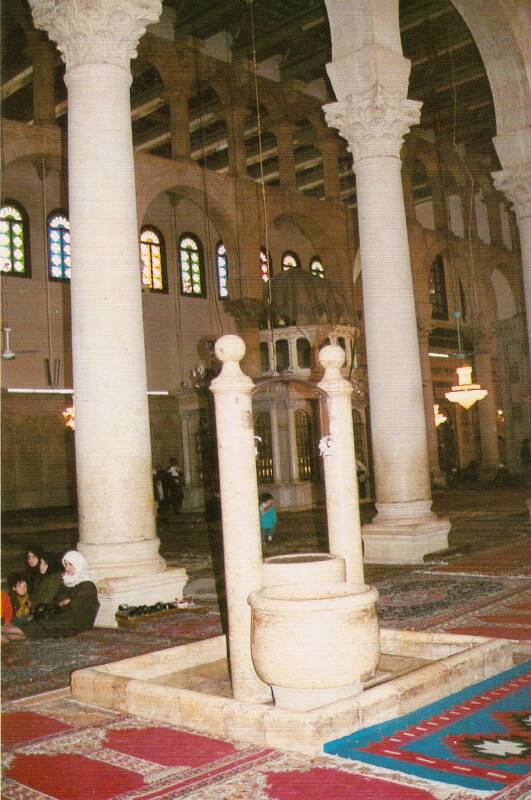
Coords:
73,611
48,586
31,565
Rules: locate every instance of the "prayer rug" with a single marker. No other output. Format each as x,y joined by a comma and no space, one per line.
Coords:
423,600
40,666
478,738
510,560
127,758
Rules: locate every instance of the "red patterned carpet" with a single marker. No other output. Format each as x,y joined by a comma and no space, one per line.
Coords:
511,560
65,751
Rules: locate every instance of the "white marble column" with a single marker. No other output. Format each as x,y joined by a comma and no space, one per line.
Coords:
113,452
515,183
239,509
404,529
341,483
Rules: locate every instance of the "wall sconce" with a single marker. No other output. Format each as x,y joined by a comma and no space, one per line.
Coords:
466,393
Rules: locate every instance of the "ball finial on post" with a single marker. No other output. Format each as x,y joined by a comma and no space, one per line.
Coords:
230,348
332,356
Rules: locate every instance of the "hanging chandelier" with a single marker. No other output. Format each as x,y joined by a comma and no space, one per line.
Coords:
440,416
466,393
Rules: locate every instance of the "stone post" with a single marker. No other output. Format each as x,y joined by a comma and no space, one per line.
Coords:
239,509
44,61
404,529
488,427
515,183
113,453
286,154
179,123
341,483
329,146
235,117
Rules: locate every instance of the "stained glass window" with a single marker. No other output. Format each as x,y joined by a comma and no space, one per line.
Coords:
14,258
152,258
222,270
191,263
59,258
290,261
316,267
266,265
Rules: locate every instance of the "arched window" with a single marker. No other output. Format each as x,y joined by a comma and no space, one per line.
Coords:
304,353
282,355
14,240
153,258
266,265
305,445
437,290
59,259
264,357
222,271
264,445
191,266
462,299
290,261
316,267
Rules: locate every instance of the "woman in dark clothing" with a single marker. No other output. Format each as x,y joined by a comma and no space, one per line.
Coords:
48,586
73,611
31,565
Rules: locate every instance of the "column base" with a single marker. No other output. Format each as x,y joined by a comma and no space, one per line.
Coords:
403,533
138,590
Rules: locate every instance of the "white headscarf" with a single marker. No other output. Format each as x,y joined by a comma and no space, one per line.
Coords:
81,566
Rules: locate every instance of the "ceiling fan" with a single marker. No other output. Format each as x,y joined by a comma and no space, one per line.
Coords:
9,354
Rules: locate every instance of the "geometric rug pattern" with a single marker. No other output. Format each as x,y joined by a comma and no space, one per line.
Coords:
99,755
478,738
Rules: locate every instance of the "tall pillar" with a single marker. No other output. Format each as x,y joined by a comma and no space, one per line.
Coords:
341,483
235,117
515,183
424,329
239,509
286,154
179,123
404,529
488,425
113,452
329,146
44,61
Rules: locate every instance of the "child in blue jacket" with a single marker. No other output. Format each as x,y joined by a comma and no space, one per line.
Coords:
268,517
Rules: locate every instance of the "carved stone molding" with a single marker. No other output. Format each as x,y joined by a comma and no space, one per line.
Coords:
515,183
375,123
95,31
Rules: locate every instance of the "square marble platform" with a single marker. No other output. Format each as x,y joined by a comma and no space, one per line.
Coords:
189,686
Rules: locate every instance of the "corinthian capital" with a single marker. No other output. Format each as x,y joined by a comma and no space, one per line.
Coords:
515,183
375,123
95,31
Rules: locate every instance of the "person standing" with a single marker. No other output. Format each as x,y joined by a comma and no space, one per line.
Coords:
174,486
268,517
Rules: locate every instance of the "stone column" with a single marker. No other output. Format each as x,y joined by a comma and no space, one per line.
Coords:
404,529
44,62
424,329
329,147
488,427
286,154
113,452
239,509
515,183
341,483
179,123
235,117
